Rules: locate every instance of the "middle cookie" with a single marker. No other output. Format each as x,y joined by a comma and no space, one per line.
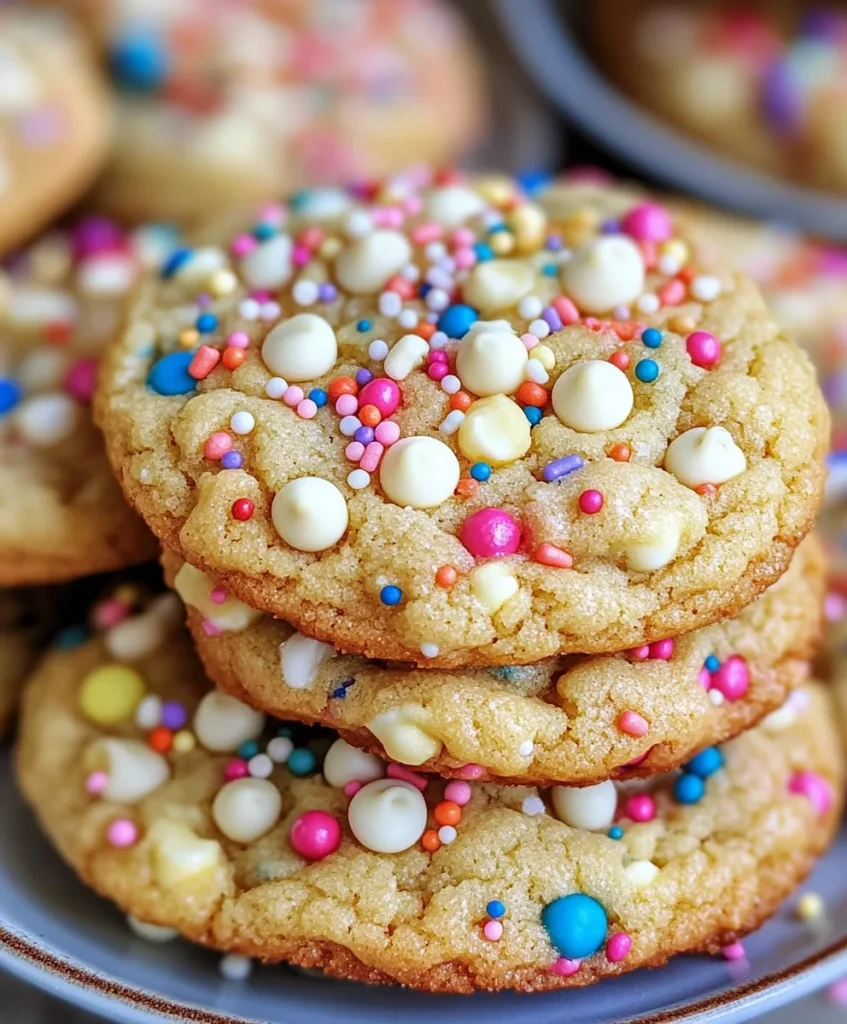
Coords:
571,720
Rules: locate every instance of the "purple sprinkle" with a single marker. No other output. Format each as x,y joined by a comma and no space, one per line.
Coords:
561,468
173,715
551,316
232,460
610,226
327,292
554,243
782,103
92,235
364,435
363,377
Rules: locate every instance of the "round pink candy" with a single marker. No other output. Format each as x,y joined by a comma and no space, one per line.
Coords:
618,947
354,451
648,222
733,952
236,769
662,650
217,445
640,807
491,533
109,613
243,244
346,405
81,379
293,396
732,678
457,791
238,339
437,355
704,678
96,783
703,348
641,653
437,371
352,788
813,786
315,835
493,931
471,771
383,393
122,833
564,967
387,432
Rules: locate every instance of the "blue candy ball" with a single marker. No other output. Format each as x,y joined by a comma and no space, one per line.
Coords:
178,258
70,636
712,663
457,320
577,925
495,909
391,595
206,323
647,370
248,749
139,62
10,394
615,832
533,414
706,763
319,397
169,375
481,471
484,252
652,338
689,789
301,761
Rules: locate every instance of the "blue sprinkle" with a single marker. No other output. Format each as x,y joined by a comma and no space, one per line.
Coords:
177,259
549,270
481,471
319,397
248,749
651,337
139,62
484,252
495,908
262,232
457,320
10,394
391,595
495,229
169,375
340,692
533,414
689,789
232,460
363,325
577,925
71,636
706,763
301,761
615,832
425,289
533,180
712,663
647,370
560,468
206,323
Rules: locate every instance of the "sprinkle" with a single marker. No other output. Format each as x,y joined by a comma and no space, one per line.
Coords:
470,771
339,386
404,774
640,807
706,287
532,806
391,595
815,788
348,425
703,348
590,502
495,908
430,650
733,952
620,452
620,358
615,832
447,834
279,749
242,509
633,724
459,793
651,337
217,445
301,761
618,947
647,370
549,554
533,414
531,393
561,468
536,372
358,479
307,409
206,323
232,460
451,422
346,404
387,433
276,387
122,833
564,968
492,930
430,841
260,766
481,471
293,396
446,576
689,789
96,783
378,350
305,293
318,396
810,907
242,423
450,384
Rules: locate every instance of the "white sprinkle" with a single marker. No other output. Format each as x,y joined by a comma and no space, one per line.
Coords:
706,287
670,265
145,476
305,293
358,479
279,749
411,272
276,387
716,697
242,422
447,264
447,834
148,714
235,968
526,748
408,318
151,932
450,384
530,306
358,224
451,422
378,350
249,309
390,304
270,311
540,328
533,806
439,340
437,299
621,312
435,251
260,766
648,303
348,425
535,371
430,650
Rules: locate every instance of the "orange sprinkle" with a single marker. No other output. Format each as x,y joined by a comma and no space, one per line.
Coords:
430,841
620,359
461,401
339,386
160,739
530,393
404,288
706,490
687,274
549,554
233,357
447,813
424,330
369,415
446,576
620,452
467,487
625,329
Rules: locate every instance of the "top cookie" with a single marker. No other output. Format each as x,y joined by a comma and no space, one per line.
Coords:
220,104
453,425
53,118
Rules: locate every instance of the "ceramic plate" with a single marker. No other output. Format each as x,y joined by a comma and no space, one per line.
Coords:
57,935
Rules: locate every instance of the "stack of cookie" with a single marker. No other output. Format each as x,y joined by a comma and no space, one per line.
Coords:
489,508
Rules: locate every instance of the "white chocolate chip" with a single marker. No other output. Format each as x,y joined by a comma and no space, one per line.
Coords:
180,854
704,455
452,205
605,272
195,588
494,430
344,764
106,276
706,287
151,932
247,809
301,348
407,355
491,359
222,723
310,513
132,768
591,396
387,816
301,657
498,284
368,264
46,420
641,873
655,552
589,807
200,266
401,733
493,585
269,265
143,634
419,472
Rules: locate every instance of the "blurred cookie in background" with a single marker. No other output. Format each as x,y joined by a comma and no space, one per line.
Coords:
762,82
53,118
222,103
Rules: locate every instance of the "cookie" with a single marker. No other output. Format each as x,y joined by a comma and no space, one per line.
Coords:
573,720
766,87
53,118
220,105
173,801
64,515
606,449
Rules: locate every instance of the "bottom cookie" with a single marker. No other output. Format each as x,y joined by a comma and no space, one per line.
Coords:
191,812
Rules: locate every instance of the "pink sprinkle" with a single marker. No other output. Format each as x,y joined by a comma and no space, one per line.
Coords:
346,405
413,205
633,724
493,931
272,213
307,409
704,678
491,533
465,258
437,355
301,256
398,771
733,952
217,595
388,217
261,295
238,339
662,650
641,653
640,807
242,245
618,947
671,293
837,993
566,310
81,379
352,788
530,341
703,348
463,237
210,629
834,607
109,613
312,237
438,371
387,433
354,451
122,833
236,769
205,360
732,678
564,967
425,233
470,771
96,783
815,788
590,502
373,453
293,396
648,222
457,791
382,392
217,445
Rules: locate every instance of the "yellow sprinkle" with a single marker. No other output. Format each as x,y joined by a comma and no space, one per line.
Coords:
810,907
502,243
544,355
222,282
496,189
184,741
189,337
330,248
110,694
676,249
